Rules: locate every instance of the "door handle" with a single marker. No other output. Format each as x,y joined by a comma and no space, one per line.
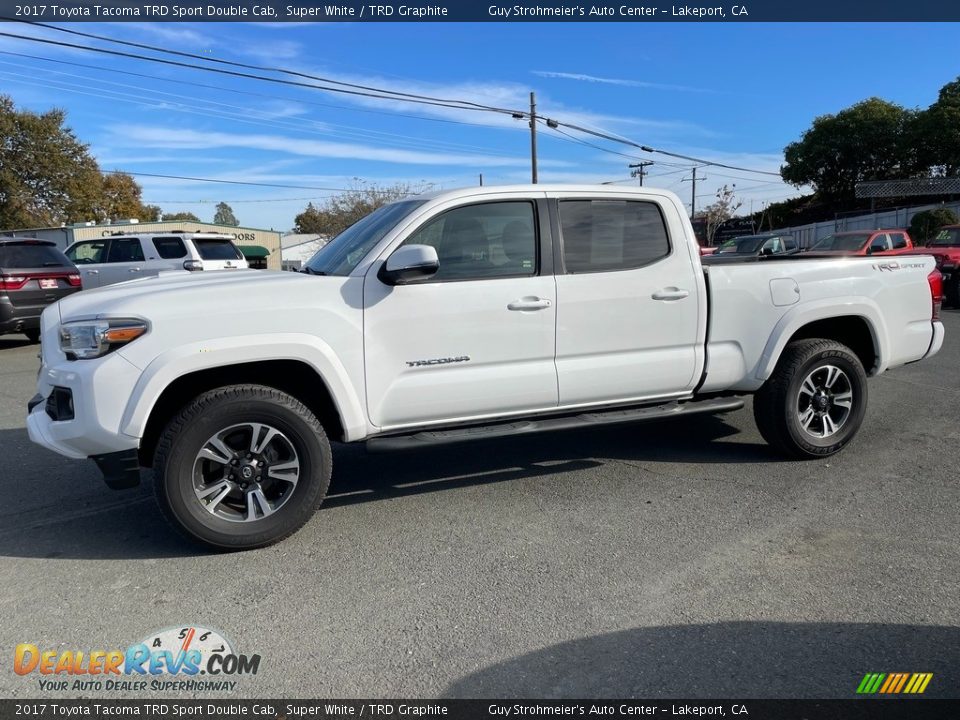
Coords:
92,272
670,293
134,270
529,303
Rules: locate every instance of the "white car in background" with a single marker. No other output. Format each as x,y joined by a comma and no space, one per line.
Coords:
119,258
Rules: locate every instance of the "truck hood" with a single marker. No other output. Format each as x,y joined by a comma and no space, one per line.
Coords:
195,294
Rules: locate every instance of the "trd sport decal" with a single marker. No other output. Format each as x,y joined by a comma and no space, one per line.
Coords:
438,361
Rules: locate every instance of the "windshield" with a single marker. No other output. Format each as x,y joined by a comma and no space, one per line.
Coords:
342,254
742,245
946,238
851,242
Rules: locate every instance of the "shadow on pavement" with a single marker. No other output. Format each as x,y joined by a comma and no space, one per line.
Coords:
726,660
60,508
8,342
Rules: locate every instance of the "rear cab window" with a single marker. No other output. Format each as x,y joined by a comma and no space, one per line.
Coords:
24,256
607,235
217,249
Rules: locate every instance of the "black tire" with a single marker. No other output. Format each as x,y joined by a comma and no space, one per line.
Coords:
32,335
178,468
781,404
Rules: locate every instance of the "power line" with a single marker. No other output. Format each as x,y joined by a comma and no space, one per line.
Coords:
293,83
262,68
225,182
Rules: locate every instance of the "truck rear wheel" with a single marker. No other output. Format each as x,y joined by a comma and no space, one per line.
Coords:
241,467
815,401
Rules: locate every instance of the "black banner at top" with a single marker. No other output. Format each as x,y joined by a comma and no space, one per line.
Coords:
507,11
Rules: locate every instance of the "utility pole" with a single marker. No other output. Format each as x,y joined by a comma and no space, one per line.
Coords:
481,179
693,194
533,138
640,172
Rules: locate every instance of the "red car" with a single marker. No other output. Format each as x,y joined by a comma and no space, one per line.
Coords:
864,242
945,248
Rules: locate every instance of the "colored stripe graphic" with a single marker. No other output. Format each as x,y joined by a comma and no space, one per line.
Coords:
894,683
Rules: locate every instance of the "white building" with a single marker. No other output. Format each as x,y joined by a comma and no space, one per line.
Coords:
297,248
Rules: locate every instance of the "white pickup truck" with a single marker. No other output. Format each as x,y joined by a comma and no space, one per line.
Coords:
466,314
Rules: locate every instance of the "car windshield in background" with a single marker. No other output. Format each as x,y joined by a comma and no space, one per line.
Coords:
31,255
217,249
741,246
841,242
947,238
342,254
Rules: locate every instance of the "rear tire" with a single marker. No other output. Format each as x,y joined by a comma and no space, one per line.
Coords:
814,402
32,335
241,467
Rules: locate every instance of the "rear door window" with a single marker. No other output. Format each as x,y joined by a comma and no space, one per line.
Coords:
125,250
603,235
89,253
31,255
170,248
217,249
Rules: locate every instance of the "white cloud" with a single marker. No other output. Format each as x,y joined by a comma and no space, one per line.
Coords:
146,136
582,77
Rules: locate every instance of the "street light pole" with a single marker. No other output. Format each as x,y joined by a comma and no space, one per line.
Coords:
533,138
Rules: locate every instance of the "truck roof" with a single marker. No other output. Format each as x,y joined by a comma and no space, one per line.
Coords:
542,188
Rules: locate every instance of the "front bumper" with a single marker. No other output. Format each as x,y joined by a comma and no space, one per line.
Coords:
100,390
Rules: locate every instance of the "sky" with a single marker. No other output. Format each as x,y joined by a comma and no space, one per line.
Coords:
731,93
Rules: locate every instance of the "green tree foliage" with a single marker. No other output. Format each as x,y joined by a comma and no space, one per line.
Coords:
872,140
181,216
925,224
120,200
224,215
341,211
938,133
47,176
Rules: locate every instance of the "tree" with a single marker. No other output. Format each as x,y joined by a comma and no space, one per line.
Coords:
872,140
120,199
720,211
47,176
937,133
224,215
341,211
925,224
182,216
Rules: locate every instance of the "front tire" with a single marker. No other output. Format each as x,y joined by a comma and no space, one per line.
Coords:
814,402
241,467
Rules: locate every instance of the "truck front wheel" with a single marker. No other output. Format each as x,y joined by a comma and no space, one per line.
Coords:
241,467
814,402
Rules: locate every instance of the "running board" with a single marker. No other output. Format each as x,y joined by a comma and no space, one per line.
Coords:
565,422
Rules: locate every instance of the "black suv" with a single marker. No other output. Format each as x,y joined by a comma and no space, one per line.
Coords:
33,274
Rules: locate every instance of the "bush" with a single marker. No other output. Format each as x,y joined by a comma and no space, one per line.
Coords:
925,224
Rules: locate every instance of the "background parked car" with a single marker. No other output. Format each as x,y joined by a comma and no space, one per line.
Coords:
120,258
945,248
864,242
767,244
33,274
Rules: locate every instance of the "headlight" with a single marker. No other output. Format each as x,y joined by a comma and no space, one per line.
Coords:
86,339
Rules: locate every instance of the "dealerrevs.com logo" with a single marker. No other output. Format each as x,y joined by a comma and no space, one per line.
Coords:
187,658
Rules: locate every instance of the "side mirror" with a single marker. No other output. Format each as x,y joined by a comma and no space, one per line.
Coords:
409,263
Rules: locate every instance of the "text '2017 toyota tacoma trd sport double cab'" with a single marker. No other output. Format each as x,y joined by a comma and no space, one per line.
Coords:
465,314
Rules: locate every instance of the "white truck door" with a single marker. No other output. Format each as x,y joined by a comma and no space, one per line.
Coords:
628,302
475,339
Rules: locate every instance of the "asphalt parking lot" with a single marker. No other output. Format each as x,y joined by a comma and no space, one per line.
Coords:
682,559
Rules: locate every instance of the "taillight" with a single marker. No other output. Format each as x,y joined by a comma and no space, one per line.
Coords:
12,282
192,265
935,280
74,280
